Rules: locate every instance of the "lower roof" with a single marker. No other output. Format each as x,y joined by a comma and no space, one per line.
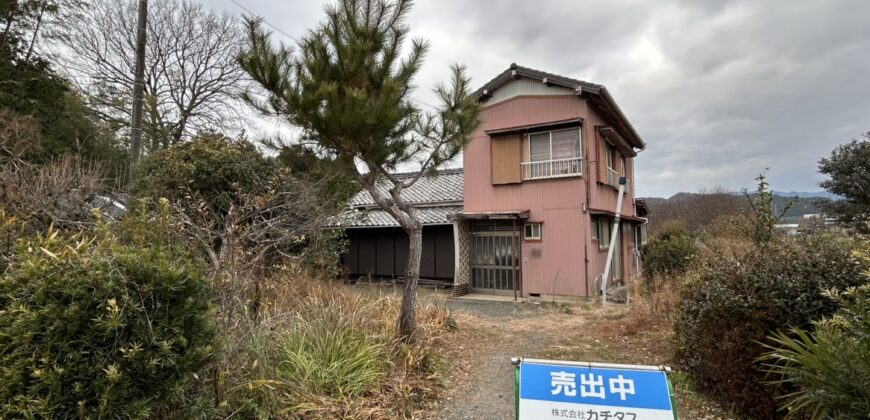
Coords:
371,218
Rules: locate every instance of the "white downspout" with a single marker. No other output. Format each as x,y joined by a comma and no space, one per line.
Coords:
614,232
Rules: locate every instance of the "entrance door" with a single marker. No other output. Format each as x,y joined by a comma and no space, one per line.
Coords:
494,262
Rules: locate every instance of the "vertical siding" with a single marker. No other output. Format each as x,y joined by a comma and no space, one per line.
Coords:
555,265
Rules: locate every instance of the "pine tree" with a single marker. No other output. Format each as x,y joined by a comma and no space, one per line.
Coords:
348,88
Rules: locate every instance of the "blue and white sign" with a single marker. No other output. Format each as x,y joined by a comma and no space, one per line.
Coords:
588,391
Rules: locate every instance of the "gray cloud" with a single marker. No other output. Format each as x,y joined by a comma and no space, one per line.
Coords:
720,90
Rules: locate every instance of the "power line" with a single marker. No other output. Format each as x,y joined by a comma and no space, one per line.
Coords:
424,103
277,29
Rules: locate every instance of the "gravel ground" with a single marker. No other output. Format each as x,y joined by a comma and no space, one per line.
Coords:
491,333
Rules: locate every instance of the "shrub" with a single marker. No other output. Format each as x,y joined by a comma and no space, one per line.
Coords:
96,327
831,368
670,252
211,167
736,300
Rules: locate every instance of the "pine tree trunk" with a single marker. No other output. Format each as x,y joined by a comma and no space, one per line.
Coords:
407,317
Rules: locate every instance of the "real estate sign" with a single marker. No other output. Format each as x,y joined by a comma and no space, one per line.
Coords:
549,389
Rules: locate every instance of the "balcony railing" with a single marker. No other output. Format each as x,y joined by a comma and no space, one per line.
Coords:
557,168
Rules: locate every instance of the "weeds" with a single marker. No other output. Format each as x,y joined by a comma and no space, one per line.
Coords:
319,349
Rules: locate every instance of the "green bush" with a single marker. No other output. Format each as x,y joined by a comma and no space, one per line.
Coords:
326,354
670,252
211,167
733,303
831,368
101,328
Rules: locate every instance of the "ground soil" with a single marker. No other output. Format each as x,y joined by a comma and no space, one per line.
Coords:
480,382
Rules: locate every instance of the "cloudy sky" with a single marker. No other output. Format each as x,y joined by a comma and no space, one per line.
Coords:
719,90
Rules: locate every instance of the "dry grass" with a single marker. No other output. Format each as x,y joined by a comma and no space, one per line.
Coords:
255,369
652,304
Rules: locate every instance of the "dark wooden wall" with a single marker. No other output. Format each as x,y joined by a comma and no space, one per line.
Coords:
383,252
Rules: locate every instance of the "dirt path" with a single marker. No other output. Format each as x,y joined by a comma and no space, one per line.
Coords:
481,384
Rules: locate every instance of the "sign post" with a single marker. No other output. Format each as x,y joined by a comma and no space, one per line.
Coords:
550,389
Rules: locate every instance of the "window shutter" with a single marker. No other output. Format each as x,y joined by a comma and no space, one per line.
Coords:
507,157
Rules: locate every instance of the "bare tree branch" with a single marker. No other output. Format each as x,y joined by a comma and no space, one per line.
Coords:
192,80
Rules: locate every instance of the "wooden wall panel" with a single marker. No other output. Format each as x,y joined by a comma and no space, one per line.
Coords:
427,261
401,251
444,252
386,262
383,252
507,157
367,251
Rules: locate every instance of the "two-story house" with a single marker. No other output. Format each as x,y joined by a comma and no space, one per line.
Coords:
539,195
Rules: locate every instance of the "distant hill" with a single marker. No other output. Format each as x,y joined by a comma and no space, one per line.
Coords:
805,194
686,203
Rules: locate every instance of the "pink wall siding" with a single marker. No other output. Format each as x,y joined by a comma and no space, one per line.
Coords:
555,265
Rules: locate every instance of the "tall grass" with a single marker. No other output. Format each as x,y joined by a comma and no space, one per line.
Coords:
325,353
652,303
320,349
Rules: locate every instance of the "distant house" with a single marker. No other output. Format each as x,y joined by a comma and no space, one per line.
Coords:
790,229
531,213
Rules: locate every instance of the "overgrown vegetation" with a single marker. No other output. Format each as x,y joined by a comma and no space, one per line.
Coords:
730,304
745,283
322,351
101,326
210,292
828,367
669,252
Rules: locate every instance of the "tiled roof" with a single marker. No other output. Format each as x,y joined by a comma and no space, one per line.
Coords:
445,188
556,79
379,218
435,197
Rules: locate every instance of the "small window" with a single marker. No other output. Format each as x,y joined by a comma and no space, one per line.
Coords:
641,235
532,232
601,231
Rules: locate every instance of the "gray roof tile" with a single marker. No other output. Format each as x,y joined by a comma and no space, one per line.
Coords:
380,218
434,197
445,187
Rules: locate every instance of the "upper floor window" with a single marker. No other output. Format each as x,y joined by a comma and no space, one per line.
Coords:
615,166
610,162
552,154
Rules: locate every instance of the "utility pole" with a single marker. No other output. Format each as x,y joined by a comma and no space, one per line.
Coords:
138,92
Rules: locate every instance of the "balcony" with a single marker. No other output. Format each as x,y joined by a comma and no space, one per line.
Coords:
557,168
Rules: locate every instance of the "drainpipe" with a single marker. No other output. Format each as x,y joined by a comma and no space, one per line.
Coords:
614,232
